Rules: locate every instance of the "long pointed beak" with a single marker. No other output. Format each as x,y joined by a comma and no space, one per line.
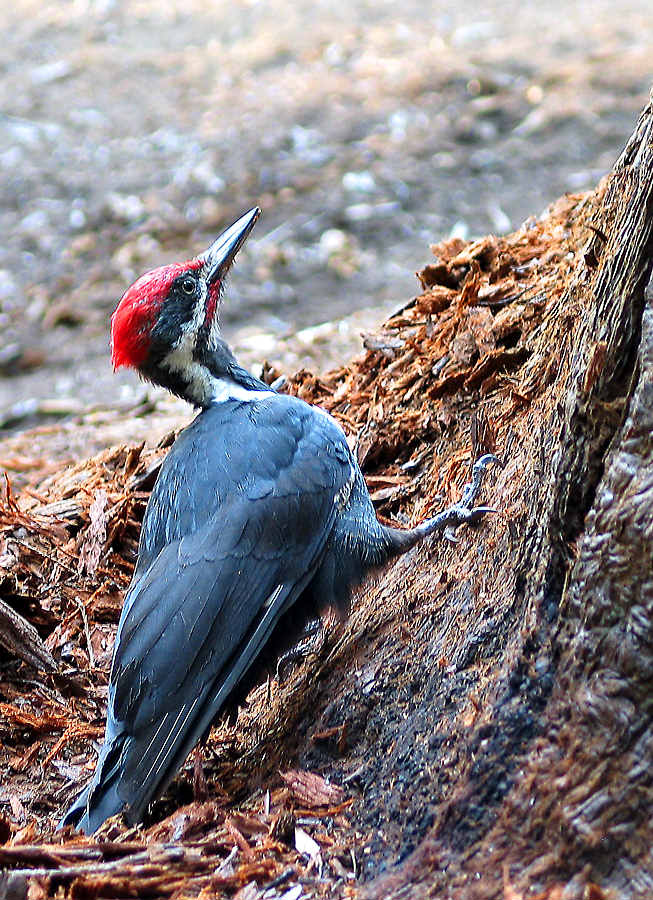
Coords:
220,255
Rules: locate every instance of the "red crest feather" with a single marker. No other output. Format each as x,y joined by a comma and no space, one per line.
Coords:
137,311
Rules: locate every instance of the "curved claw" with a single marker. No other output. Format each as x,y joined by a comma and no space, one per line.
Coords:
479,511
460,515
471,489
486,460
467,515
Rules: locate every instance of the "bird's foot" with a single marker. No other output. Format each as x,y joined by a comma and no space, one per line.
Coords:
311,641
463,512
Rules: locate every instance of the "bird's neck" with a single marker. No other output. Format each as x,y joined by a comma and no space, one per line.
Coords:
212,378
236,384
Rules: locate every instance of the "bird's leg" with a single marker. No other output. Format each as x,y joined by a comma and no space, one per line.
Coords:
311,641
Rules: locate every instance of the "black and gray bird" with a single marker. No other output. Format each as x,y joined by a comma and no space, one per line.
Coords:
258,503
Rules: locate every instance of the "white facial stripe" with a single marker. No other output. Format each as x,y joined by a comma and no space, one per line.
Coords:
198,313
223,389
203,387
197,377
189,330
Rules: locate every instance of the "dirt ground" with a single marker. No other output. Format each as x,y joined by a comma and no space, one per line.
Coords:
130,133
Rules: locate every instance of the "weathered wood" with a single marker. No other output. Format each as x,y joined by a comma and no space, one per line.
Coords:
576,799
21,638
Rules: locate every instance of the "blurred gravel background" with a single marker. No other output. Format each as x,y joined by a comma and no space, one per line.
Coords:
132,132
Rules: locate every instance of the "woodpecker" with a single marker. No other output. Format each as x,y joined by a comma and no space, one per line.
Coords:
259,503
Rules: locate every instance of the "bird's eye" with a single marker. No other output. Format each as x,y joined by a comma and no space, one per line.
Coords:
188,286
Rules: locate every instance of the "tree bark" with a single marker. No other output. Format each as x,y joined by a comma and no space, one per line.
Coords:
558,789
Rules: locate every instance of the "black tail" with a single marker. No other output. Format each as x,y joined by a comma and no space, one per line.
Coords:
91,808
100,799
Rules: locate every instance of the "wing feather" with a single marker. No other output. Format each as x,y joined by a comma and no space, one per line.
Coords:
211,583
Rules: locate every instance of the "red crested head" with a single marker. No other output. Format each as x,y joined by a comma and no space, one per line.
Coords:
175,302
138,310
166,323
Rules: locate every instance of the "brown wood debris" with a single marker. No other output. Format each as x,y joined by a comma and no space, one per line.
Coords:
432,735
311,790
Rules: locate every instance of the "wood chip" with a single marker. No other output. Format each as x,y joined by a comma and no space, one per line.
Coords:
312,790
21,638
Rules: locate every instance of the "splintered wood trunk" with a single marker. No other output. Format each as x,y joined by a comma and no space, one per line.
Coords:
484,718
556,783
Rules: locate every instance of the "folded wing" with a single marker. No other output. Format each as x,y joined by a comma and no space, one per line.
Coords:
198,614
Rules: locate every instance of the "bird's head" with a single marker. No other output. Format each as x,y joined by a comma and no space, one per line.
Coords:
166,324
